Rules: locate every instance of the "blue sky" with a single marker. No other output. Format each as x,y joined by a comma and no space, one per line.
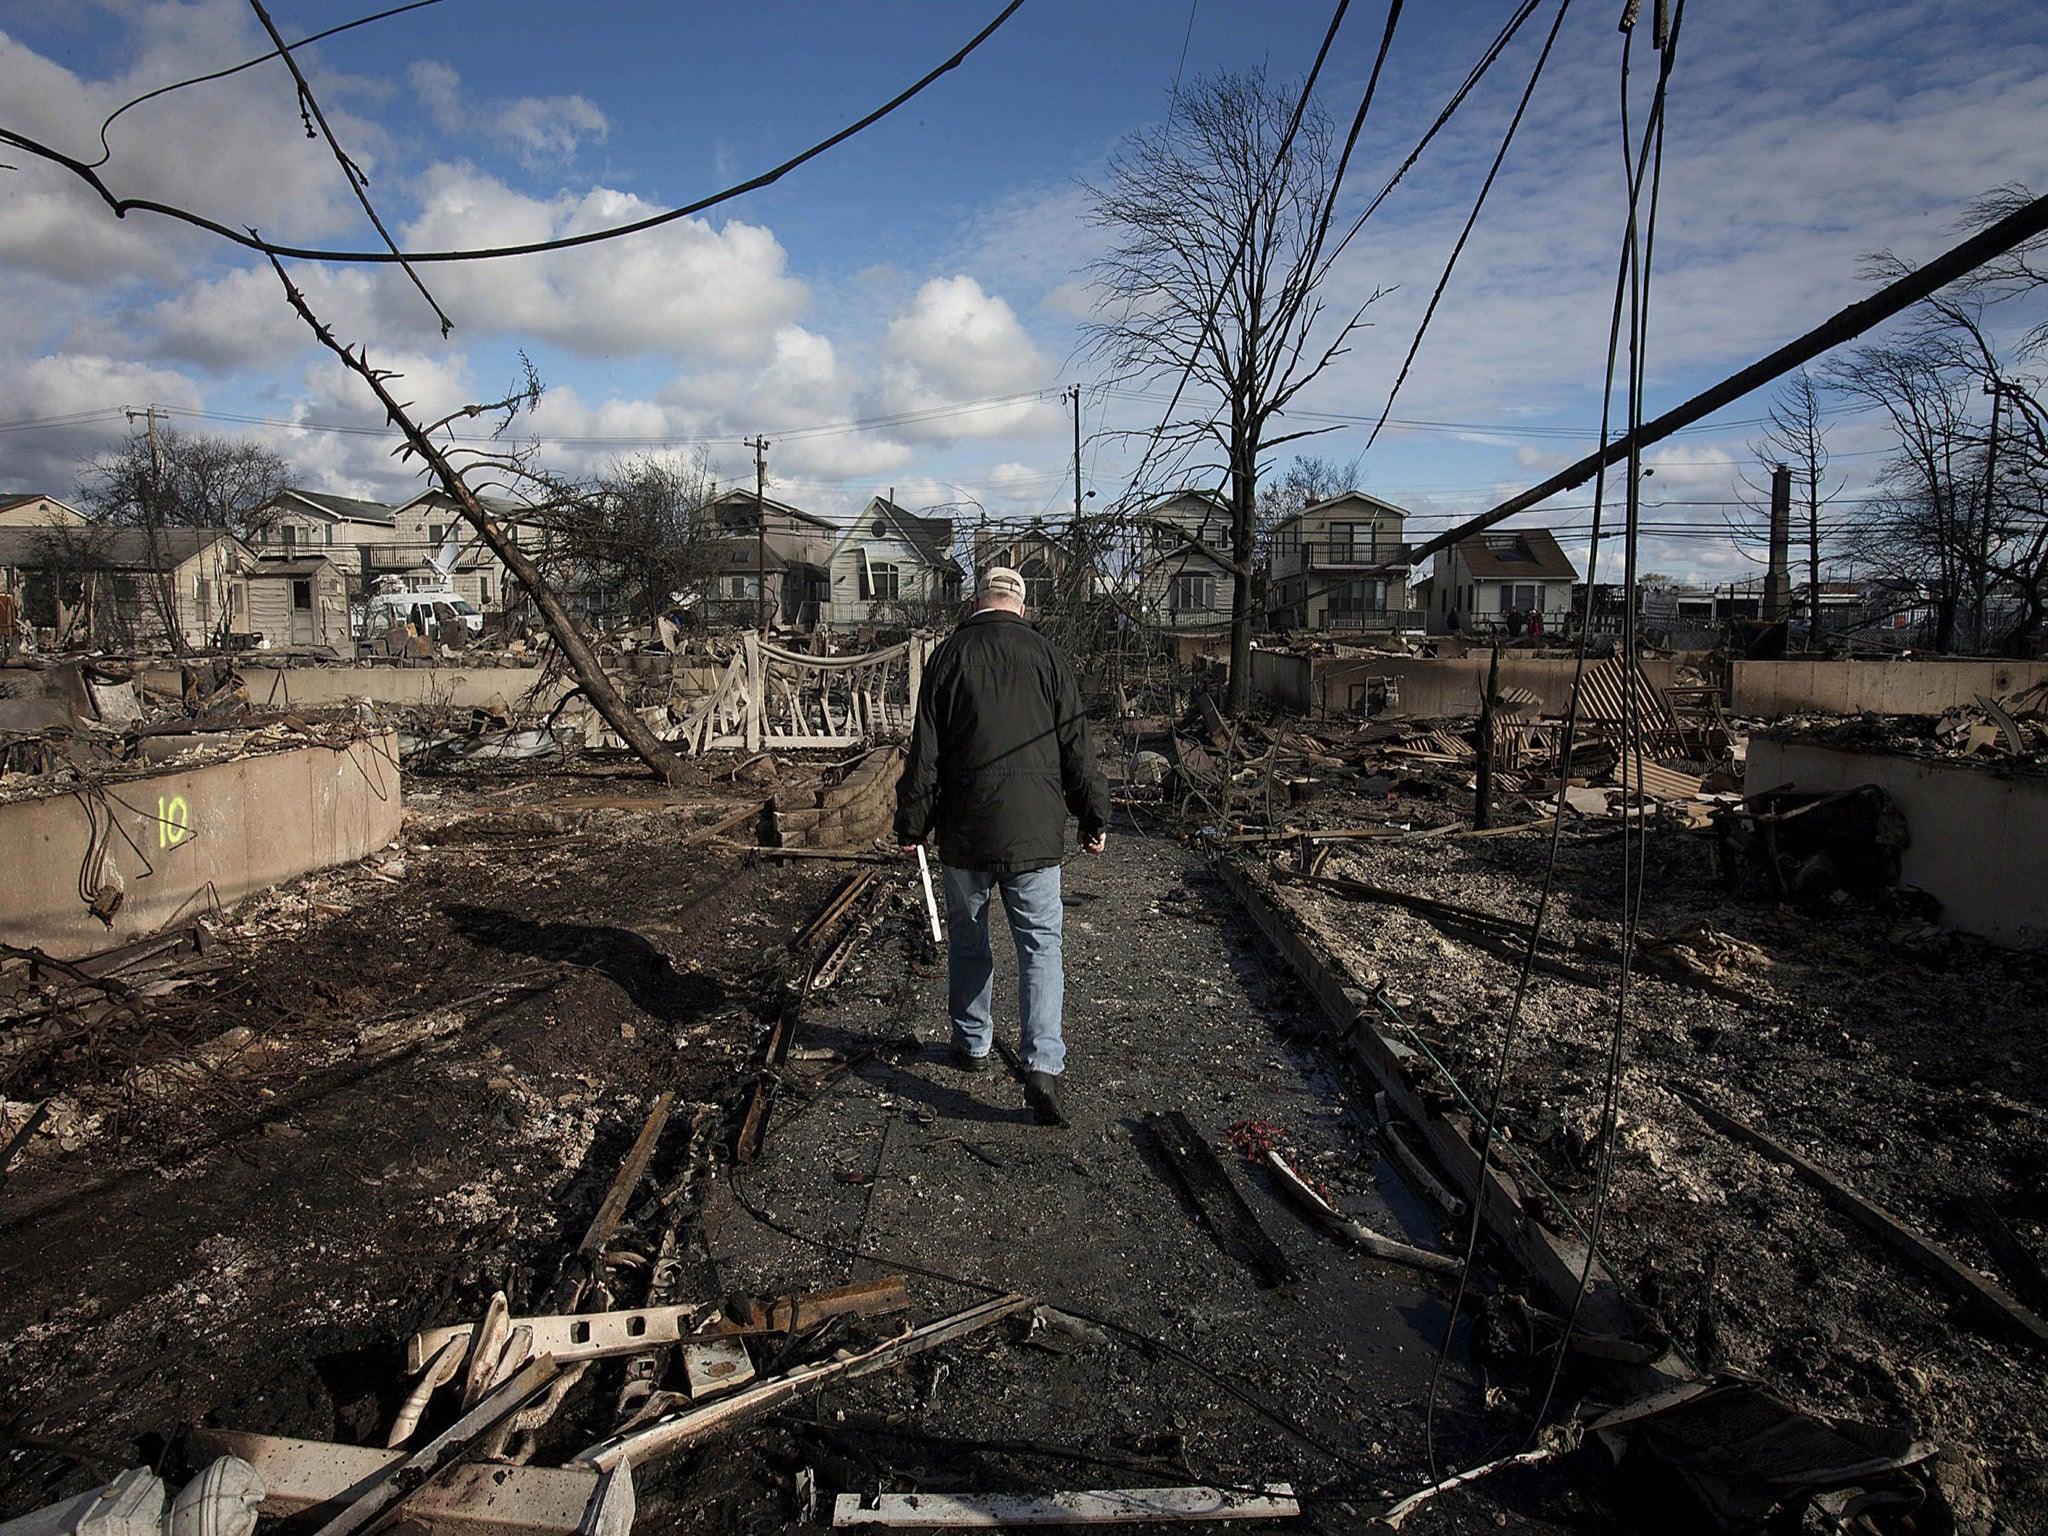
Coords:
937,261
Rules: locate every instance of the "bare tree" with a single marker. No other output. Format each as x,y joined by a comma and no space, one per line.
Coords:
185,480
161,478
1309,479
1217,221
639,527
1967,482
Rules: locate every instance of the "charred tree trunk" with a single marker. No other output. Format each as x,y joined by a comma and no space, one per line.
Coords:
597,685
1489,702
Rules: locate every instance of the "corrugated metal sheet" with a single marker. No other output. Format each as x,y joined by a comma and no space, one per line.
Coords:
1604,695
1658,782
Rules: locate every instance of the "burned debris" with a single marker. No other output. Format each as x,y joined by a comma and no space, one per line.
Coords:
746,1247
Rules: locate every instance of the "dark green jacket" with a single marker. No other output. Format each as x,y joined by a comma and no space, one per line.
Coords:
1000,754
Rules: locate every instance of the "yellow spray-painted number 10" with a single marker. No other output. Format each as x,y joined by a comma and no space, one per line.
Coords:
173,821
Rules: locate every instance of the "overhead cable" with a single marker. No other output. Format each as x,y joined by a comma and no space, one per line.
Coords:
123,206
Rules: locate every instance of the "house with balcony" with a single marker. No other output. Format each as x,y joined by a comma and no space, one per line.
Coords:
894,569
749,535
1502,581
1341,566
1184,566
423,530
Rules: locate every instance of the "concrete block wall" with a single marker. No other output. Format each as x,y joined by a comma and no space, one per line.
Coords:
1450,685
1978,833
854,812
315,687
1771,690
183,841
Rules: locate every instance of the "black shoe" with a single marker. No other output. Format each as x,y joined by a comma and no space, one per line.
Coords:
1042,1093
966,1061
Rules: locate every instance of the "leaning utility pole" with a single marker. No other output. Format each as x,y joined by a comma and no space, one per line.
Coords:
760,446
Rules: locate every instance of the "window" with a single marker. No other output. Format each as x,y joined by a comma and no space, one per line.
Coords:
437,533
1352,542
302,596
883,578
1037,582
1367,595
1193,593
881,529
330,533
291,537
483,590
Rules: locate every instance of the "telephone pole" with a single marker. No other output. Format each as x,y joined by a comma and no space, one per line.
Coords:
760,446
156,454
152,525
1075,395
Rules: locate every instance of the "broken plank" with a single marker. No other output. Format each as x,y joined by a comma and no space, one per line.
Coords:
640,1446
1202,1177
317,1479
576,1272
2021,1269
1429,906
1354,1232
601,1335
720,828
1109,1506
1884,1226
795,1314
376,1505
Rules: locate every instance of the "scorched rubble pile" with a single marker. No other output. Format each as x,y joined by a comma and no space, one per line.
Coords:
388,1154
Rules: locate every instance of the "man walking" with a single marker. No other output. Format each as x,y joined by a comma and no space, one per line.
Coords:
1000,756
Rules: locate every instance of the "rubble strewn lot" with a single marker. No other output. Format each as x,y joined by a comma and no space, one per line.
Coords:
255,1160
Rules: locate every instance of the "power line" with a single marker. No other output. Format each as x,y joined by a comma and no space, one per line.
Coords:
1458,249
106,151
122,206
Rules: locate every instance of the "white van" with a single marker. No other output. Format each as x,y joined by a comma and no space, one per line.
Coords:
425,611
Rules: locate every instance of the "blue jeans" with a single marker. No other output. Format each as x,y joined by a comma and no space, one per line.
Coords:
1032,902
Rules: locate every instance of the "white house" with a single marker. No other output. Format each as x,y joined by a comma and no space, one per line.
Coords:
892,567
422,528
1502,581
32,509
124,587
297,601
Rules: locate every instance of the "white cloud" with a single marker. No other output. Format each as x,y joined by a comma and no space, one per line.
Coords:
686,290
541,131
956,344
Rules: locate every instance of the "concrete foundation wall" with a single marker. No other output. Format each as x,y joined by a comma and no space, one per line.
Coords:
315,687
1768,690
1449,685
184,841
1282,677
1979,837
